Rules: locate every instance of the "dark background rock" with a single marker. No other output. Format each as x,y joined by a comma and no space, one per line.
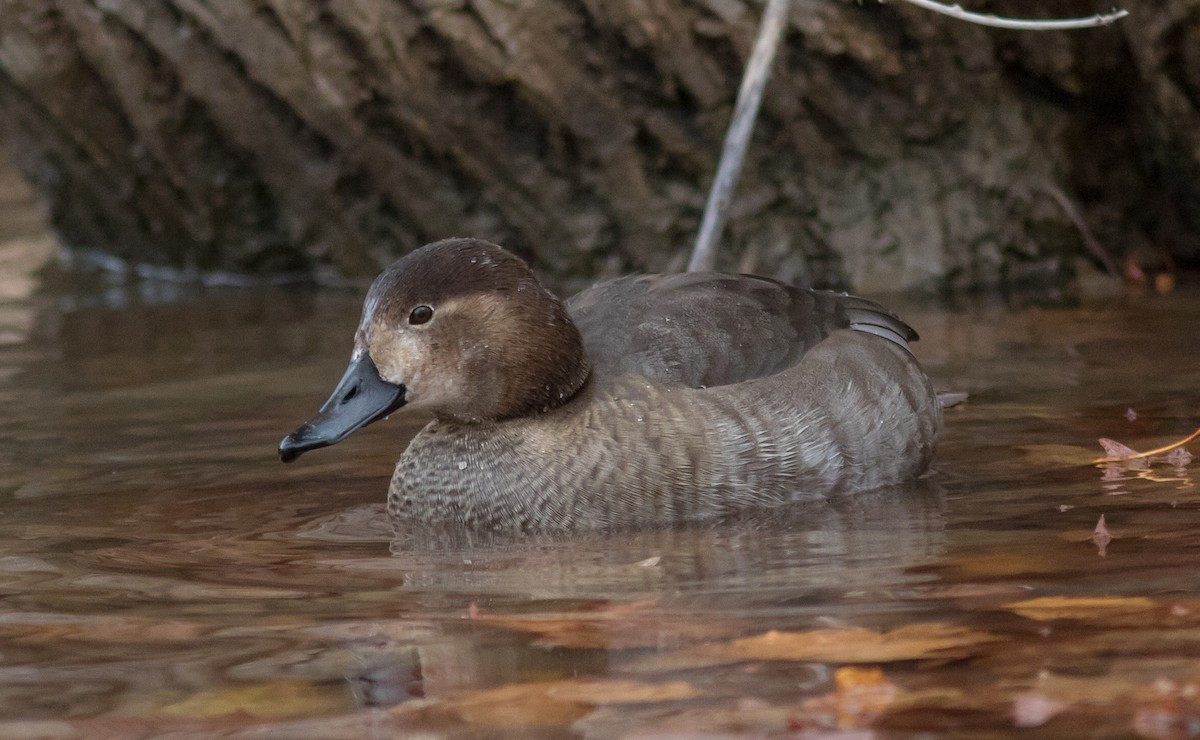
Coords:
897,148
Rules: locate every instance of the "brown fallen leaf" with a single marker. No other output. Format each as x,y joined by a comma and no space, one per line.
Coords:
849,645
1080,607
548,703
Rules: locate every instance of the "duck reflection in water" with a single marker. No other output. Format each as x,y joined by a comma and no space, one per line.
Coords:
592,595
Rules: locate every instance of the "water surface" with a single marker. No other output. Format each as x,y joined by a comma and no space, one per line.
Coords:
161,572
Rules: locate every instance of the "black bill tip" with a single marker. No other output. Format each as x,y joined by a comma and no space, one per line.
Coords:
298,442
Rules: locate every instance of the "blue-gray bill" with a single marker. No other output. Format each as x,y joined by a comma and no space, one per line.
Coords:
361,397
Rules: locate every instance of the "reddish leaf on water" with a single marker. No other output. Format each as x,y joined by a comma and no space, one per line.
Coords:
862,695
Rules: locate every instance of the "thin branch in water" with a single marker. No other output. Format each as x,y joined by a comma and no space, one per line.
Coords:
758,69
1019,24
1151,453
1089,239
754,80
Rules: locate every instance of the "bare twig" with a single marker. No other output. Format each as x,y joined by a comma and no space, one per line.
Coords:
745,111
1018,24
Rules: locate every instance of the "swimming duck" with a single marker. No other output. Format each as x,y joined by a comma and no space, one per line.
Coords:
642,401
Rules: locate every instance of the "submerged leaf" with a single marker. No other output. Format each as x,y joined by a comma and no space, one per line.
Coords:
273,699
549,703
1080,607
848,645
613,626
1056,455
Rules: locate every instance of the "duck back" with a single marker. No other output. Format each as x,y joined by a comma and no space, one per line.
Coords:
709,329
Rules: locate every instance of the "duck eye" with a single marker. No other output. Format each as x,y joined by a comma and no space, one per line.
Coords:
420,315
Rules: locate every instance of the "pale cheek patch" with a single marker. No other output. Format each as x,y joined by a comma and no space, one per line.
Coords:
403,358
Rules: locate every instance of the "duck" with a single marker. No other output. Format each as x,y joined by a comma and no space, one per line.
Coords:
643,401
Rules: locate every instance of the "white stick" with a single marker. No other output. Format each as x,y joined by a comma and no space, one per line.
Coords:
758,69
1064,24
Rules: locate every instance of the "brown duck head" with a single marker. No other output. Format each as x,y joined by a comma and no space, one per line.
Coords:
460,328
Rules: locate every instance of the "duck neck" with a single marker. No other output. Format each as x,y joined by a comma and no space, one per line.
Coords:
531,375
563,374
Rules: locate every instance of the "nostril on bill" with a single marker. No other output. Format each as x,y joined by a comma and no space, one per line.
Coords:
352,392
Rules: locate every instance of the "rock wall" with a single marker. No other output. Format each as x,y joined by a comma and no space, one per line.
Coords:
896,148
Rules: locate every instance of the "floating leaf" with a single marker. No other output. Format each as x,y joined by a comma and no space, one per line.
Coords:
950,399
1116,450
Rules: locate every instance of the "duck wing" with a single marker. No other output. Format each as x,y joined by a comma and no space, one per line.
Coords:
709,329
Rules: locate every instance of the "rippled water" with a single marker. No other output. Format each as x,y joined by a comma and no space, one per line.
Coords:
161,572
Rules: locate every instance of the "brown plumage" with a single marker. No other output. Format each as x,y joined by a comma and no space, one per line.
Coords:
642,401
